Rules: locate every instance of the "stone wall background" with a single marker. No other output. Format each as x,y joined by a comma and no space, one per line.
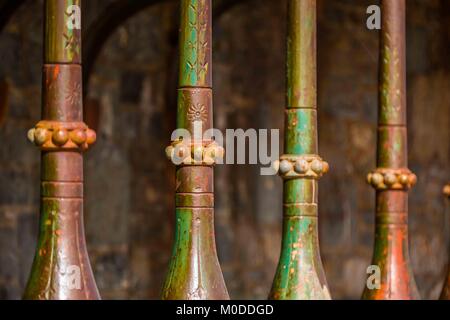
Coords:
131,102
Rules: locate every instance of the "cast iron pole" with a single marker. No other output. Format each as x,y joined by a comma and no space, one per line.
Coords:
61,269
300,273
392,179
194,271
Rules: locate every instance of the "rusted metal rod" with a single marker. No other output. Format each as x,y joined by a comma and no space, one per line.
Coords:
61,269
194,271
392,179
445,294
300,273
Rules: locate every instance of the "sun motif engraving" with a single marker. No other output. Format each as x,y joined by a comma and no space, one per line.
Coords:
197,112
73,94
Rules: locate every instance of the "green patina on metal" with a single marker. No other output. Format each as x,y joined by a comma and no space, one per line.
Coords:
297,276
301,125
300,273
194,270
195,52
181,251
299,191
193,267
301,55
40,280
392,178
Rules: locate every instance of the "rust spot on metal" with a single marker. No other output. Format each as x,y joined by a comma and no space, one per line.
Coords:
56,72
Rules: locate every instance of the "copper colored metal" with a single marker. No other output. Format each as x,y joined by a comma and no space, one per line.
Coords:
392,178
194,271
300,274
56,135
445,294
61,269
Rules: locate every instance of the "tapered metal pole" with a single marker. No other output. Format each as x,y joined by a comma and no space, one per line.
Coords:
61,269
194,271
445,294
300,273
392,179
